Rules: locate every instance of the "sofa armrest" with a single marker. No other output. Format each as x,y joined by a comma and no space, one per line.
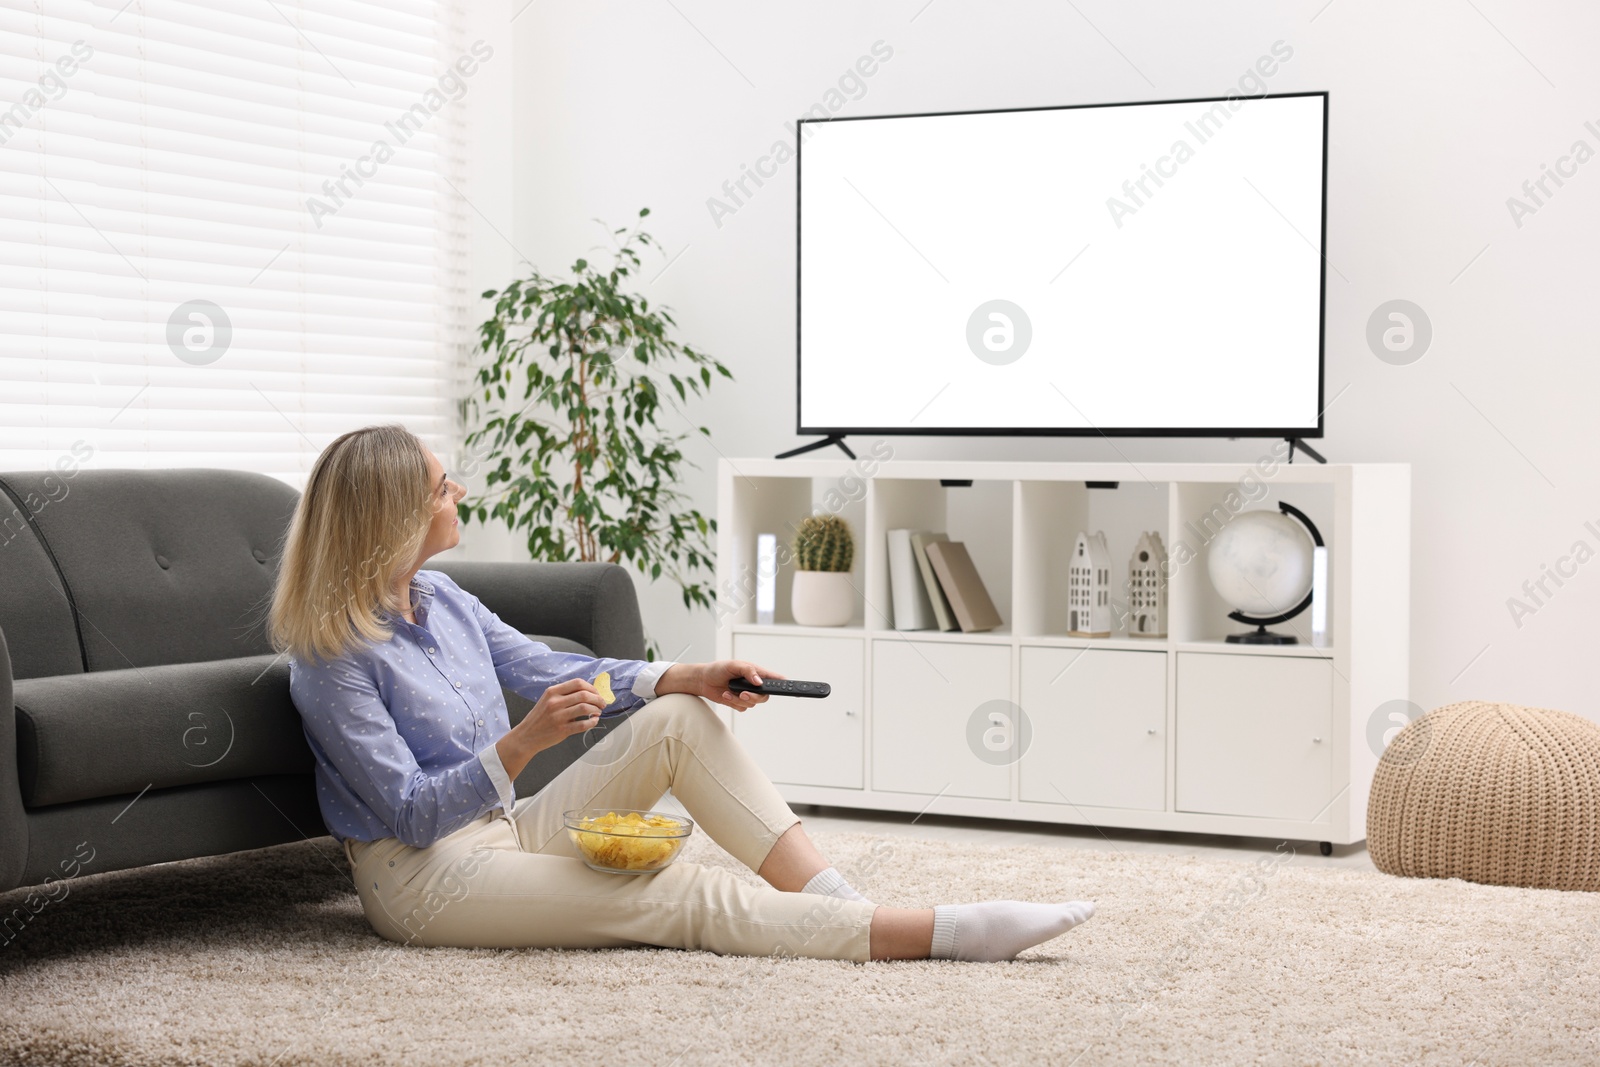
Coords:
13,819
593,604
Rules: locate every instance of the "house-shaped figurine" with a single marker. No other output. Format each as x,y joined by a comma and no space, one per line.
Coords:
1089,587
1147,587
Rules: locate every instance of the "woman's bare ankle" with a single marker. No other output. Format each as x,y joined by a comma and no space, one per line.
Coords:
901,933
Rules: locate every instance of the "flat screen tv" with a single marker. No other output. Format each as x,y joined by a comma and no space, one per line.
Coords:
1132,269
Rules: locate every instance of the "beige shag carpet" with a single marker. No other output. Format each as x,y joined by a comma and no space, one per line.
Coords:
264,958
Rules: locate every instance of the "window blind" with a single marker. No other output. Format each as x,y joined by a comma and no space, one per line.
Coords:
230,230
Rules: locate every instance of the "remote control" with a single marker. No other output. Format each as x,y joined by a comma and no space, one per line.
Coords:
781,687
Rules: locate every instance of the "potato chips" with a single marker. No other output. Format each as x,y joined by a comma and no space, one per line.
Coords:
630,842
602,684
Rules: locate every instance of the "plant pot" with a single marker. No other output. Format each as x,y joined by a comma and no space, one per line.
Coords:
822,598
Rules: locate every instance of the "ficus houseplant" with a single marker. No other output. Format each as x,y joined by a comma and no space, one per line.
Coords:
574,380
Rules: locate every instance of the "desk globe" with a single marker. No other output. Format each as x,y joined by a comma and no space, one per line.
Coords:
1261,564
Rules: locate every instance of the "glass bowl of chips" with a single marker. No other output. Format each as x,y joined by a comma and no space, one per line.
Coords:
627,841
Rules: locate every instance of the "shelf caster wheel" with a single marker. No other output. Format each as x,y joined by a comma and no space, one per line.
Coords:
1325,847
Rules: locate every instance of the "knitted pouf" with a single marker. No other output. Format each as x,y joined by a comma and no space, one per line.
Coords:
1492,793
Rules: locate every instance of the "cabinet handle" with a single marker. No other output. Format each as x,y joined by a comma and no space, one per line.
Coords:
1316,740
1150,732
849,711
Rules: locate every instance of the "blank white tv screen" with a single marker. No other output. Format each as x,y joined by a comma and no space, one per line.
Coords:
1152,268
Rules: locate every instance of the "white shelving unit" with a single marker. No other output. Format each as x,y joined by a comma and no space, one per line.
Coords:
1186,732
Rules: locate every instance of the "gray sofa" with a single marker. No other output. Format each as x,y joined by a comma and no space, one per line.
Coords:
152,722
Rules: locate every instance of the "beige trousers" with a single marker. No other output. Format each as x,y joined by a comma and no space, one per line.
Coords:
516,880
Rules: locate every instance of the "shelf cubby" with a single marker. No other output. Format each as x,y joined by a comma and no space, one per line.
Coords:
978,515
775,504
1200,510
1048,517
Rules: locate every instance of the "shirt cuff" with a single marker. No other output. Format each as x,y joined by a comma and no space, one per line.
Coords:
644,683
490,758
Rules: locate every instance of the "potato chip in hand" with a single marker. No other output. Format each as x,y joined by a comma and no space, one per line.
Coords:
602,684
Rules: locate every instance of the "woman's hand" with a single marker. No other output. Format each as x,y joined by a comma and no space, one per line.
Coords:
710,680
563,709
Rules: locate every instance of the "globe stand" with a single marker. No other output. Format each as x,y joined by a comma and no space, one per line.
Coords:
1261,635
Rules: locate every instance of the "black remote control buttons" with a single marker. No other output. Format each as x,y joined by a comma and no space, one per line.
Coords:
781,687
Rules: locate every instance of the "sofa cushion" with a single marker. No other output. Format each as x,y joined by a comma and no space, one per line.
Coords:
164,566
109,733
35,614
113,732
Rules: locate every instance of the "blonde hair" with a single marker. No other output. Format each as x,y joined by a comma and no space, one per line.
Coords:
357,528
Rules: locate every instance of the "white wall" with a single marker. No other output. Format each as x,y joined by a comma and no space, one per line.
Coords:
1438,116
489,217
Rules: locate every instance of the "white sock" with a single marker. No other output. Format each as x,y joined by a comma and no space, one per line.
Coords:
830,883
999,929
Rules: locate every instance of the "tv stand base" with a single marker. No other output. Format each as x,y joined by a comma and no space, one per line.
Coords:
831,439
1307,449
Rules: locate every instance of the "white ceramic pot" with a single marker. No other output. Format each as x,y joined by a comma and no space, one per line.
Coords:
822,598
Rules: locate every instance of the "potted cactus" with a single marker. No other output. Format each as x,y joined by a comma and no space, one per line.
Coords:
823,594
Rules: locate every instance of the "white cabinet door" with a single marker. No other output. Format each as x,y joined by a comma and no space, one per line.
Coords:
1254,735
803,740
927,730
1099,725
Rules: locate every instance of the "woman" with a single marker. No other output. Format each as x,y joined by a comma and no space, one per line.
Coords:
397,674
